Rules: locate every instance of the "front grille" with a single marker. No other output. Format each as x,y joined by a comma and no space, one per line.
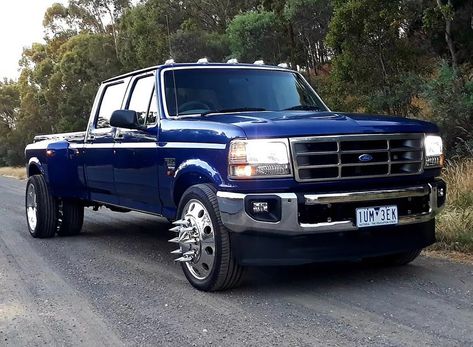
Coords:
357,156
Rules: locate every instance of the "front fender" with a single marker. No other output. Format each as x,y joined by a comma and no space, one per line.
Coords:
192,172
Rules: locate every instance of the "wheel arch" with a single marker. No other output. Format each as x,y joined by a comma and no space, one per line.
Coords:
34,167
191,173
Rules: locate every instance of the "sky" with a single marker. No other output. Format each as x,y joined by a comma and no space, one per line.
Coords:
20,25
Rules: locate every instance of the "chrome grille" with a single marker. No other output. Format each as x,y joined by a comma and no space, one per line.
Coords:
357,156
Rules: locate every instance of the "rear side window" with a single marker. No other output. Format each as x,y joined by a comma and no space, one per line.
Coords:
111,101
141,97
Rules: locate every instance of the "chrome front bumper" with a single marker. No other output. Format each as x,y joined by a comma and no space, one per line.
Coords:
235,218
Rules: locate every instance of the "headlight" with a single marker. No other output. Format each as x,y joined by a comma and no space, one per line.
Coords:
433,151
259,158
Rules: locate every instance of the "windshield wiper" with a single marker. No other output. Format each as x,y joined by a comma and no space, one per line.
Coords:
303,108
229,110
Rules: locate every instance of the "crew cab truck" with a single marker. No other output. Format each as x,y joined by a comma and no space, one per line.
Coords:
251,167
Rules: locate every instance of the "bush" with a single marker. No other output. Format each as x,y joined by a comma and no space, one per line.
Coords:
450,97
455,223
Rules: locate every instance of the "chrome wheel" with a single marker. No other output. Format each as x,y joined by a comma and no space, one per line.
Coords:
196,239
31,207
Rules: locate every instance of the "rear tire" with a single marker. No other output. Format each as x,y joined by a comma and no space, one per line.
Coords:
398,259
224,271
72,219
41,208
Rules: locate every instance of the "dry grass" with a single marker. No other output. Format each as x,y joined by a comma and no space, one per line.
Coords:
16,172
455,223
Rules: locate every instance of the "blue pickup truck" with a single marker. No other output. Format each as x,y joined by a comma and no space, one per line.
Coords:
251,167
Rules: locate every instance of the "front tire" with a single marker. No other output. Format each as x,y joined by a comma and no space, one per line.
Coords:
204,242
41,208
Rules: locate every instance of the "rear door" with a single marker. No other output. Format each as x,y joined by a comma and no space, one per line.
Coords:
99,151
135,162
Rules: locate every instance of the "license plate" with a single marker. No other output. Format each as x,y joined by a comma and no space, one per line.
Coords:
375,216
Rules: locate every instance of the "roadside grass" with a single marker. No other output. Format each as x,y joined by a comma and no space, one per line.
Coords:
16,172
455,223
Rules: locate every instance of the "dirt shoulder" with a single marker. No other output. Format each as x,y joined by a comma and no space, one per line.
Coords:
15,172
460,257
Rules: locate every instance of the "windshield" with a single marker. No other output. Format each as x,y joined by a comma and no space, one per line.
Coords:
207,90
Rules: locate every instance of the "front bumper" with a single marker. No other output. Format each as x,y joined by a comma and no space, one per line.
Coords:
235,216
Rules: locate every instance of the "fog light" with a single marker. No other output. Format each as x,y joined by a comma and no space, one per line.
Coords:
441,192
260,207
263,208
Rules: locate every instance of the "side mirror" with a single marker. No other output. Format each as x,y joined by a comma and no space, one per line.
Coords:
125,119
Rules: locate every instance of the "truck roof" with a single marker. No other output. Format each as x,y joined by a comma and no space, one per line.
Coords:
159,67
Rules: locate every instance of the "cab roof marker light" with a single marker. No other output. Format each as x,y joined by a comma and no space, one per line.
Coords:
259,62
202,61
232,61
169,62
283,65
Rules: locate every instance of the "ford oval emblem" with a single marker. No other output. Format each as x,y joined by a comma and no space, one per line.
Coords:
365,157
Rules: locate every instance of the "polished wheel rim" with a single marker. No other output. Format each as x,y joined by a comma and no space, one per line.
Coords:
196,240
31,207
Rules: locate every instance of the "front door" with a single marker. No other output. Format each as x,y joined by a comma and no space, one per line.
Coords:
135,162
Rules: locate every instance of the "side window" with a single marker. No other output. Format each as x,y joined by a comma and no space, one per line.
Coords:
111,101
141,96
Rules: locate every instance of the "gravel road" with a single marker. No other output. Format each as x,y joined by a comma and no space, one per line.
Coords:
116,284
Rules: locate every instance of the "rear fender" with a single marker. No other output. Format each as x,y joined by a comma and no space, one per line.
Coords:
35,167
62,168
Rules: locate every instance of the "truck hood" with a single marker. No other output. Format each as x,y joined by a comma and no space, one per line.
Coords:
304,123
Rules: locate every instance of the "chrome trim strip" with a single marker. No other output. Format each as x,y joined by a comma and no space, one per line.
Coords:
152,145
99,145
360,136
192,145
76,145
314,199
137,145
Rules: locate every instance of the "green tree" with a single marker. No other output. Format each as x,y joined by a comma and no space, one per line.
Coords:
190,45
9,109
376,65
145,33
309,21
258,35
216,15
448,25
9,103
92,16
